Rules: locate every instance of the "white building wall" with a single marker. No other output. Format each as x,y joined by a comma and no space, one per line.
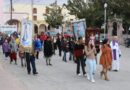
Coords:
1,12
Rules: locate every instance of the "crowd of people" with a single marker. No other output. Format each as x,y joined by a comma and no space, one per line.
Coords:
84,55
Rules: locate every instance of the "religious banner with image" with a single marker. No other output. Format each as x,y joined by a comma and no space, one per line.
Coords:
26,33
79,27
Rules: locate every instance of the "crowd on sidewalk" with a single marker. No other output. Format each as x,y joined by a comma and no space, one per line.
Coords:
83,55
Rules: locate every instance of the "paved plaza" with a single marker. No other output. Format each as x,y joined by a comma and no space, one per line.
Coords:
61,76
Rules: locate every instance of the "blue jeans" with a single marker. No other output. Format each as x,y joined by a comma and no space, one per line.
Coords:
91,66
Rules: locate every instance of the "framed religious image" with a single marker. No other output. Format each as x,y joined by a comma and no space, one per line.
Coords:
79,27
93,35
26,33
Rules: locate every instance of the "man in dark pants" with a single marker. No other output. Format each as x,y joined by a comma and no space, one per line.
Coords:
27,54
58,42
80,60
30,59
79,55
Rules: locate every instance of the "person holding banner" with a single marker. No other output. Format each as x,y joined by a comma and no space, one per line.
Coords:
30,60
28,43
79,54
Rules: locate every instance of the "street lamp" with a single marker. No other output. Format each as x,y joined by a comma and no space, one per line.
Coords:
105,17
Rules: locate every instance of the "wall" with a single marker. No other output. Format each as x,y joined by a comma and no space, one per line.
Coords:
1,12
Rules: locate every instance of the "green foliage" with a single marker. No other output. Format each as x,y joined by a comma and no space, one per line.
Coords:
92,12
54,15
121,8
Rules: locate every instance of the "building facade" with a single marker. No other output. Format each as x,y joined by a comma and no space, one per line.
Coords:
34,13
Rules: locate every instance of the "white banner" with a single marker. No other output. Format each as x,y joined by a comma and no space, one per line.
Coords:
8,29
26,33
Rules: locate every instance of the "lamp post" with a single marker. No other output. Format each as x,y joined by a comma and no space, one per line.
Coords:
11,7
105,17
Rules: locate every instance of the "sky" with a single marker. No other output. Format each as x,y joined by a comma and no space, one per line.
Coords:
44,2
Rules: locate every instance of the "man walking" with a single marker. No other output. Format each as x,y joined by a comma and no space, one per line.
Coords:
79,54
116,53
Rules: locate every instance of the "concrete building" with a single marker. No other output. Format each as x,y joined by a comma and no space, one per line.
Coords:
34,13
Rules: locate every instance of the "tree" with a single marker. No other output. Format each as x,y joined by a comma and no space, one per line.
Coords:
92,11
54,15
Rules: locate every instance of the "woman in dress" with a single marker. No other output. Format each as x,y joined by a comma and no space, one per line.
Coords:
106,58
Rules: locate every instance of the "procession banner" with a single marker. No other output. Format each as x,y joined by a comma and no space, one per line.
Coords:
79,28
26,33
8,29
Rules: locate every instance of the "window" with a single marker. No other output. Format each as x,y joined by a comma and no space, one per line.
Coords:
34,10
34,18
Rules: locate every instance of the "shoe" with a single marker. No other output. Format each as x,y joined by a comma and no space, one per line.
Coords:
93,81
11,62
15,63
29,73
101,73
50,64
107,79
88,77
35,73
115,70
79,74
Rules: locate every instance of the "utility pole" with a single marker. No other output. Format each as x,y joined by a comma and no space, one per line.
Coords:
32,8
11,9
105,17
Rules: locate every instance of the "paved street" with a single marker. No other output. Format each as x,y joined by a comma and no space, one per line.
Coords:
61,76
